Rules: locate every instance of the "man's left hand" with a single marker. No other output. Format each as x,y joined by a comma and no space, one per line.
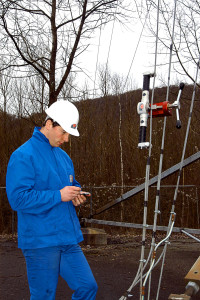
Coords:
80,199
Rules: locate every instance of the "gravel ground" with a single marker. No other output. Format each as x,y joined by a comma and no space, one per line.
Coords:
114,266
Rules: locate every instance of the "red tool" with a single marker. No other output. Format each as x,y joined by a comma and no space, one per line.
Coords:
161,109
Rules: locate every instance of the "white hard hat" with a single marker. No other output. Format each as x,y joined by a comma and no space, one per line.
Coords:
65,114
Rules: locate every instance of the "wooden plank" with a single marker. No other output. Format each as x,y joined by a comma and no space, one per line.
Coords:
194,273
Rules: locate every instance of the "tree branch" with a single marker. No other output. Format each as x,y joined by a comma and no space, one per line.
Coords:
21,53
72,55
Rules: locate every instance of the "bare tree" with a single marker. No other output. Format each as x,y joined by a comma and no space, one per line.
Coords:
185,44
5,97
48,36
105,78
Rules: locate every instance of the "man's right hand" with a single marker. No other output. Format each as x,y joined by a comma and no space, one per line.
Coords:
69,193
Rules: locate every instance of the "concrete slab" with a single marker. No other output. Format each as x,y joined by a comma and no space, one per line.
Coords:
94,236
179,297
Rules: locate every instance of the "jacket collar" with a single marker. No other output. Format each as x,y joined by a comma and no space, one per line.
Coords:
40,136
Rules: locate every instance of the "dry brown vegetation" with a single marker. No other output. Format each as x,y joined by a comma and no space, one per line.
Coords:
98,155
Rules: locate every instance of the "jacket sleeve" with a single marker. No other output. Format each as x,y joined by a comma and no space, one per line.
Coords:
75,182
20,180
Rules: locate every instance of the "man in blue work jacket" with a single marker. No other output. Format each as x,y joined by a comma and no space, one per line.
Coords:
42,188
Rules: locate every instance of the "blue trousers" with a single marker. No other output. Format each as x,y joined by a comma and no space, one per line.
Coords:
44,266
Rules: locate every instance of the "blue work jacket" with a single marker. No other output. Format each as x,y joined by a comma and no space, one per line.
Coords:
35,174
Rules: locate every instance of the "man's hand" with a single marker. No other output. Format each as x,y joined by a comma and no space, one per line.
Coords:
73,193
80,199
70,193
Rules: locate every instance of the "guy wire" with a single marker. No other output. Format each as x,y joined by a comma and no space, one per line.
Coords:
148,161
162,155
183,154
162,150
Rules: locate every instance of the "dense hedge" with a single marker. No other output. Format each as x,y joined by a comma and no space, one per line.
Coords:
98,158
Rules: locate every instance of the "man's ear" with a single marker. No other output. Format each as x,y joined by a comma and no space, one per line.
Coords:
48,124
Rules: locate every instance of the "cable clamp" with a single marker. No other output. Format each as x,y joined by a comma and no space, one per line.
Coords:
173,216
167,242
146,226
143,290
143,145
194,285
157,211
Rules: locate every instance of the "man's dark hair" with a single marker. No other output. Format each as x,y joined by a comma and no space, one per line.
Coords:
53,122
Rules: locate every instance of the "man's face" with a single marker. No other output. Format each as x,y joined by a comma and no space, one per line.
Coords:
57,136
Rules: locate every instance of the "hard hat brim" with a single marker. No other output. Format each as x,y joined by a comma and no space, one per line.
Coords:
72,131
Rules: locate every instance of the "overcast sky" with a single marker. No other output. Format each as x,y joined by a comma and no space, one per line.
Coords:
121,55
124,51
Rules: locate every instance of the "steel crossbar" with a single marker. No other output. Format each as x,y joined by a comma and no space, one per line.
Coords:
153,180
